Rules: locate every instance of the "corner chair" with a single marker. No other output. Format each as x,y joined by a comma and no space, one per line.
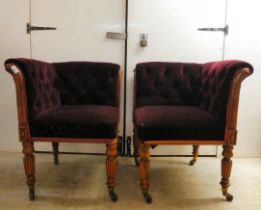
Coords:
66,102
186,104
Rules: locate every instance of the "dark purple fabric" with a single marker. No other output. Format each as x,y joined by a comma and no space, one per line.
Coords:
203,85
50,87
167,83
39,81
87,83
185,101
165,122
86,121
216,82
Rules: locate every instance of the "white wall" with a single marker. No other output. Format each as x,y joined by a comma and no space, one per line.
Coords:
244,42
14,42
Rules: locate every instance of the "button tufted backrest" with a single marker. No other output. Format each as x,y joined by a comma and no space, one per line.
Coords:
163,83
39,81
87,83
69,83
216,82
203,85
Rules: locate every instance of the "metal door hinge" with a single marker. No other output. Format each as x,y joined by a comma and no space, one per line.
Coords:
30,28
224,29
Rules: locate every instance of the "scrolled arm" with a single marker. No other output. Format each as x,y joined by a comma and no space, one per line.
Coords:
21,97
223,81
232,107
218,80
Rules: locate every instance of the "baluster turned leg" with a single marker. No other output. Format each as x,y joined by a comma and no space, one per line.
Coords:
195,155
111,164
29,167
136,145
55,152
145,171
226,166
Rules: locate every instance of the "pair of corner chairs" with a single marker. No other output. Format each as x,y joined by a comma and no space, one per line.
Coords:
174,103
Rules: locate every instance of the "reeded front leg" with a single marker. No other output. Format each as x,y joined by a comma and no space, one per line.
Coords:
55,152
195,155
145,171
136,145
111,168
226,166
29,167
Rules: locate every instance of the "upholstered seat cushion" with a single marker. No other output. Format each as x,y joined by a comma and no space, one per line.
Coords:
84,121
176,123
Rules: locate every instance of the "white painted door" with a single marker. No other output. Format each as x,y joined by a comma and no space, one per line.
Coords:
80,35
244,42
171,26
14,42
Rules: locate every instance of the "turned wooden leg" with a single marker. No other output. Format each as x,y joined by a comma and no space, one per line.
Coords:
111,169
195,155
145,171
136,145
226,166
55,152
29,167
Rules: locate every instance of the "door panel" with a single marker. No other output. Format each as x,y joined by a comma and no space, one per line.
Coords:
171,26
14,42
244,43
80,35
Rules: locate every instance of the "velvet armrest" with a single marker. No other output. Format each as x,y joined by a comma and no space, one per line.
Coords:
221,88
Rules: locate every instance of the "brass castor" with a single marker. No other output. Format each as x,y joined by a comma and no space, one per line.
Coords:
137,162
31,194
192,162
113,196
147,197
229,197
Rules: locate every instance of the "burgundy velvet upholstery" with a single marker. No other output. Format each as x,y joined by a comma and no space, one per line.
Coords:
92,121
176,123
87,83
39,81
52,87
205,86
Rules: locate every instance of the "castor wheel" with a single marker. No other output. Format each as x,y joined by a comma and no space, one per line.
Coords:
229,197
192,162
147,197
137,162
113,196
31,194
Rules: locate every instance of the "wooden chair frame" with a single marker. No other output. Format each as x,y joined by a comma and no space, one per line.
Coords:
28,141
142,150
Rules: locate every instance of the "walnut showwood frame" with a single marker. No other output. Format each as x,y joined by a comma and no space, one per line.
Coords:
141,149
27,140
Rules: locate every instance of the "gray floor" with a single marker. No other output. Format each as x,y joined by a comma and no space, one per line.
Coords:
79,183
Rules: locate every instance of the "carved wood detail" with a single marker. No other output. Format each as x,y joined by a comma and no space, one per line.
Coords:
226,165
111,164
29,167
144,167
